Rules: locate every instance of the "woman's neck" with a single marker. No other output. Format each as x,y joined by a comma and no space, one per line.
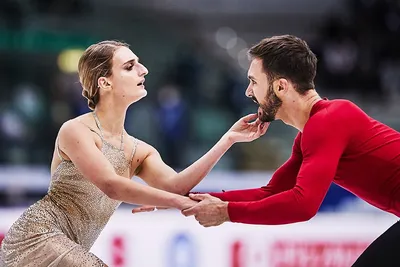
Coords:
111,118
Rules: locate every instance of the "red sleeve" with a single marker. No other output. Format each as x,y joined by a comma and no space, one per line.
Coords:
322,146
283,179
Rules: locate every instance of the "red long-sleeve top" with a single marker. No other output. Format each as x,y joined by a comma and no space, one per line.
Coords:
340,144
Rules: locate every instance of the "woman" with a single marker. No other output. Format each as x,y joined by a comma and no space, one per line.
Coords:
93,161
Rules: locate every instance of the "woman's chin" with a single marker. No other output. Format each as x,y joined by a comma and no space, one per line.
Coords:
144,93
139,95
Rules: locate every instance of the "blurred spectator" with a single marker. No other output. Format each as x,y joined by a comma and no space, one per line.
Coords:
173,123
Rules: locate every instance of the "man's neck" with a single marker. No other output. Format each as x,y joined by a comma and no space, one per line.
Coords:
298,112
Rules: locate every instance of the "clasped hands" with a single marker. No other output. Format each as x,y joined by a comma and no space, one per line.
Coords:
209,210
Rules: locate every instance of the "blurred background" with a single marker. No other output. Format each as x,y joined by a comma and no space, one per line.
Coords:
196,55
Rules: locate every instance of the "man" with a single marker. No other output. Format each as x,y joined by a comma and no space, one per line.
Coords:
337,142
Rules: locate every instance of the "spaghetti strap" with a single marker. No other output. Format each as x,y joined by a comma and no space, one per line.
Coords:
135,143
58,151
98,125
93,130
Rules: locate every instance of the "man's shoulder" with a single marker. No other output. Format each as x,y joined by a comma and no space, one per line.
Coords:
336,111
331,117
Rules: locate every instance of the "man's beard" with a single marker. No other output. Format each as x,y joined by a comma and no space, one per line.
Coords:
267,111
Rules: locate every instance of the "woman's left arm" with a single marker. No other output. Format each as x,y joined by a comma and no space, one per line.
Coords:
156,173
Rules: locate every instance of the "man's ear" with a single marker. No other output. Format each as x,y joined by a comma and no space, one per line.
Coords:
281,86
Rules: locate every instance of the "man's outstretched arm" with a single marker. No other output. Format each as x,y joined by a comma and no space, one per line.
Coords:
322,147
323,143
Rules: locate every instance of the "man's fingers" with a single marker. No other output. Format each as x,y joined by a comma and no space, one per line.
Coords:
198,197
206,223
189,212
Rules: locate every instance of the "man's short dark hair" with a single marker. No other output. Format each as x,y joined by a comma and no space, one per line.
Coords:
289,57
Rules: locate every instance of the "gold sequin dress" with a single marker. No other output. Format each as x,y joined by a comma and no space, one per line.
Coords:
60,229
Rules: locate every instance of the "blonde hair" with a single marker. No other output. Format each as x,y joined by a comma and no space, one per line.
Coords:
96,62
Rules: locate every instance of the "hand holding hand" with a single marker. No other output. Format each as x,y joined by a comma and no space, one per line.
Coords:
210,211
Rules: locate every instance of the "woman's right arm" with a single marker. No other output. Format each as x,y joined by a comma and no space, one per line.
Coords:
76,141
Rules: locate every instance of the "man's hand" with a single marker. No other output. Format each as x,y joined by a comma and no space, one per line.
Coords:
210,211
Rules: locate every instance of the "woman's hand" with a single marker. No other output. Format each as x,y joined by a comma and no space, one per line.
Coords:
247,129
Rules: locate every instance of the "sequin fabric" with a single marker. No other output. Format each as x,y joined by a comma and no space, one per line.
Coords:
60,229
